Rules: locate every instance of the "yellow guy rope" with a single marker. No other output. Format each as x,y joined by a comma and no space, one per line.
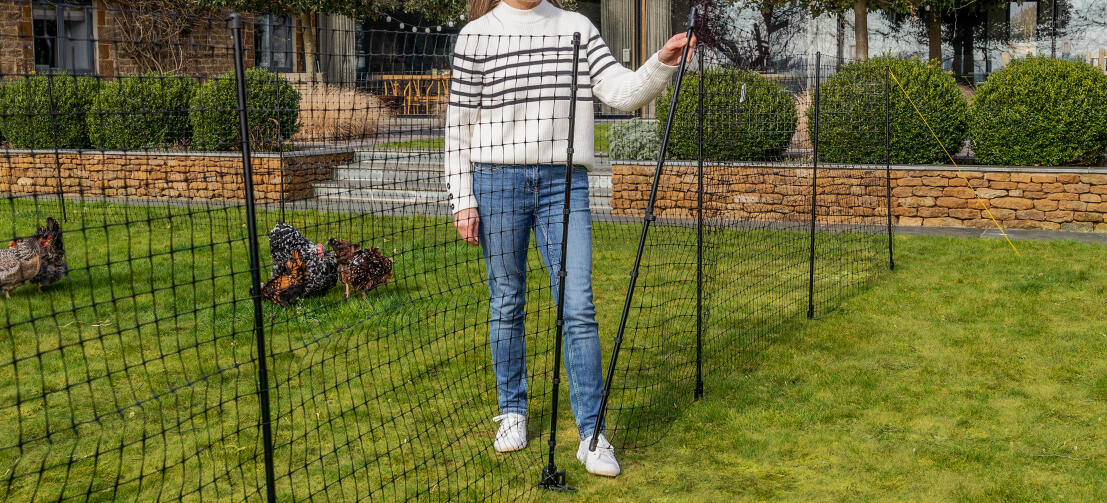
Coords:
983,203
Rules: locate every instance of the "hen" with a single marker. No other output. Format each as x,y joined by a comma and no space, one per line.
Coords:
287,288
321,266
53,268
19,264
361,269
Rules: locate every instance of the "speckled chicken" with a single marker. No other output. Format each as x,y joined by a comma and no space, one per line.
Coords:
53,268
361,269
321,264
19,264
286,289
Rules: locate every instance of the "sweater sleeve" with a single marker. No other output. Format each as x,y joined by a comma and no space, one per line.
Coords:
620,87
462,111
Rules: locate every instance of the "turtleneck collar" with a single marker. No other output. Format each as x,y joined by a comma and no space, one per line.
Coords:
511,15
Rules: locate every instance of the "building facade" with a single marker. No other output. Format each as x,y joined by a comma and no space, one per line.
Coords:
100,38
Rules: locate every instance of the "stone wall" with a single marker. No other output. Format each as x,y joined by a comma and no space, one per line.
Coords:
930,196
168,175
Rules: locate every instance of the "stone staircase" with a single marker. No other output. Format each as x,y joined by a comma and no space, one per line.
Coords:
411,183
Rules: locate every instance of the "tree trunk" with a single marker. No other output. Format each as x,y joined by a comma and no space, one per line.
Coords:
308,27
934,33
861,29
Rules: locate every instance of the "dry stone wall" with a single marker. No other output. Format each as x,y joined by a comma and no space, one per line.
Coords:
931,196
168,175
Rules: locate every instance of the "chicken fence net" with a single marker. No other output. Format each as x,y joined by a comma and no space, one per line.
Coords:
152,365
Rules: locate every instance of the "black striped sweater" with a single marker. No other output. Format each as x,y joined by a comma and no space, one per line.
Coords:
510,92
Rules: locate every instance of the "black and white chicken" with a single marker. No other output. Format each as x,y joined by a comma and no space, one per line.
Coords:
321,264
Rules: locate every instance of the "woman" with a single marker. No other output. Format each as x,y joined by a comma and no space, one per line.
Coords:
506,141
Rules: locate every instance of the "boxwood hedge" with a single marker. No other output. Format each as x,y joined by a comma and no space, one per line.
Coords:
746,117
1041,111
141,111
272,117
851,122
47,111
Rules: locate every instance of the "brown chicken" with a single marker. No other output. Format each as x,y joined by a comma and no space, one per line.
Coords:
54,268
286,289
19,264
362,269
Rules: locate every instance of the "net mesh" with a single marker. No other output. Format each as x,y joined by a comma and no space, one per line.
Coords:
389,342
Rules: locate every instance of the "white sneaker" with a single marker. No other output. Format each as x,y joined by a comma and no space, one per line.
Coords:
602,460
513,432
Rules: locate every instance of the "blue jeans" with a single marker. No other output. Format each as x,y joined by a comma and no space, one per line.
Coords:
511,201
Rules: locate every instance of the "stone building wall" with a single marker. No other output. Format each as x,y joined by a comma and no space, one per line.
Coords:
931,196
207,47
177,176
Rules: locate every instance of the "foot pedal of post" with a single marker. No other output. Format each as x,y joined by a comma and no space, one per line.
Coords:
554,480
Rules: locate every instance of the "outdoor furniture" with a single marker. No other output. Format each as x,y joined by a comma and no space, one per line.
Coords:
417,94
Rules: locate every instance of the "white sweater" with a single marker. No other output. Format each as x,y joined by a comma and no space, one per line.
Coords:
510,92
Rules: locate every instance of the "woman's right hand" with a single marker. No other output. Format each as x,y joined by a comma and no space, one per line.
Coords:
467,221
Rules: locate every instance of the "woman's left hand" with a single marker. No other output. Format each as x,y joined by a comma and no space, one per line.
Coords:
670,54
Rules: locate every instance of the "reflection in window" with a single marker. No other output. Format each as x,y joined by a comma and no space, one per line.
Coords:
273,42
1023,20
63,36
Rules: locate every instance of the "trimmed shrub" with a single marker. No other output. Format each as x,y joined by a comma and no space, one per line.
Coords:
633,140
1041,111
274,107
851,122
149,110
27,104
746,117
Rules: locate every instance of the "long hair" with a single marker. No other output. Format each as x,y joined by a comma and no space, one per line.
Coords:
478,8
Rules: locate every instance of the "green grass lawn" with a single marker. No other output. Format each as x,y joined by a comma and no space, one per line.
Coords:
438,143
968,373
971,375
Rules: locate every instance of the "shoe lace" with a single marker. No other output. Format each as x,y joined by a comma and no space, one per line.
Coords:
512,420
603,447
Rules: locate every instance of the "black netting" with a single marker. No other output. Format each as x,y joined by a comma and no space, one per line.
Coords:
323,332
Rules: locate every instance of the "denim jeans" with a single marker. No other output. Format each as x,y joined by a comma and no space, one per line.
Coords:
512,200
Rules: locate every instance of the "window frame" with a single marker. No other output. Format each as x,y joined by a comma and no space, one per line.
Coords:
266,21
61,42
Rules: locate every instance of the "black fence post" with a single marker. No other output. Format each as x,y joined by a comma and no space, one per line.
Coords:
699,232
814,191
646,220
235,23
888,161
552,478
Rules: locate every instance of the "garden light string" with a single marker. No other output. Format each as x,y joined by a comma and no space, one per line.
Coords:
983,203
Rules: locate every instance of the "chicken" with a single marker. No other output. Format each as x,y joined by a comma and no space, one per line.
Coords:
286,289
53,266
19,264
320,263
362,269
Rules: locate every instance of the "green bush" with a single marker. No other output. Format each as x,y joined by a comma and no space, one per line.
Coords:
47,111
274,106
634,140
851,122
1041,111
133,112
746,117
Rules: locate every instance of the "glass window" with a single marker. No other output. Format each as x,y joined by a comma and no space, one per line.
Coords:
273,42
1023,21
63,37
